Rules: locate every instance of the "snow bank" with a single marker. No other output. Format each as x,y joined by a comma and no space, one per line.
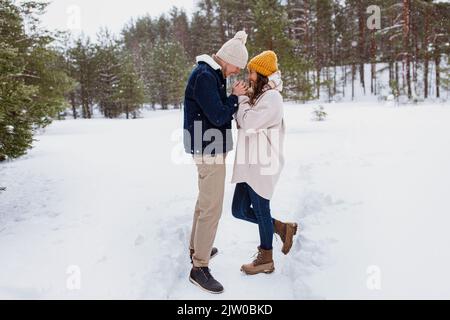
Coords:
368,186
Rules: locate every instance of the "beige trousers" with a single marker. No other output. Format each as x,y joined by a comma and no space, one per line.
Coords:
208,209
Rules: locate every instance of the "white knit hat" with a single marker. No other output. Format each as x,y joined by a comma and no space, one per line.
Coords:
234,51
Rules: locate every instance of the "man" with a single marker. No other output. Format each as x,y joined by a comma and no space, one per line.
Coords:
207,136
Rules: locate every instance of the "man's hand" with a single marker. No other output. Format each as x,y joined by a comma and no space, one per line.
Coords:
239,88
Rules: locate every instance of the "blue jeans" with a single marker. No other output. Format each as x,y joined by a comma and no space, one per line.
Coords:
249,206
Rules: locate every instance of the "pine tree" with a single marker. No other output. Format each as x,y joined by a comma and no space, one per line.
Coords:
233,16
139,38
130,94
180,28
425,45
300,26
205,32
406,44
32,81
391,36
441,40
271,23
344,31
323,32
81,66
168,68
108,65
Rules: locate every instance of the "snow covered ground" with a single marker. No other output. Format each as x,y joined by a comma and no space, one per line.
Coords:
102,209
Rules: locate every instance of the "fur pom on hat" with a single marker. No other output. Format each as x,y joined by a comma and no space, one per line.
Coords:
234,51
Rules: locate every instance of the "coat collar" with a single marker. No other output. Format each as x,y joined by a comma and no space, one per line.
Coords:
208,60
275,82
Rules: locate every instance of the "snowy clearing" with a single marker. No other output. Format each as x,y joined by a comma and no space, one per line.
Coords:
369,187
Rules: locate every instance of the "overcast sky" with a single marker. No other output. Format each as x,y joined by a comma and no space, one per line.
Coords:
89,15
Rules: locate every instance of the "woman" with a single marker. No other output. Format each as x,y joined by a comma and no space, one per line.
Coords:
259,159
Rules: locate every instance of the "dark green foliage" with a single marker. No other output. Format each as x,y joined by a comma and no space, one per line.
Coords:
149,62
33,83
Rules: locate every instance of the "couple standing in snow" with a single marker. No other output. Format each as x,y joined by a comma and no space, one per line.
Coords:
208,114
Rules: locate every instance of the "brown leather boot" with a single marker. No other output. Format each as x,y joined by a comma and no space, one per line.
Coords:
262,264
286,231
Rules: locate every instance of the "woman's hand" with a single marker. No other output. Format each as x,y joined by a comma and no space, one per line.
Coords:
240,88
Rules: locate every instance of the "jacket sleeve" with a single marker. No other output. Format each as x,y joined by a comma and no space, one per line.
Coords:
267,112
208,97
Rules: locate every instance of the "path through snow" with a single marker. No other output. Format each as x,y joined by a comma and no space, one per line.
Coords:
369,187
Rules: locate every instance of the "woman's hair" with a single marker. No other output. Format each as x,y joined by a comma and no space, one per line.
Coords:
258,87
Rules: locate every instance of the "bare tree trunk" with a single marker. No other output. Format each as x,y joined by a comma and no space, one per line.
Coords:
391,72
425,47
318,83
437,62
397,80
344,82
406,45
425,76
329,84
334,80
86,111
222,27
373,51
416,56
74,106
362,24
353,80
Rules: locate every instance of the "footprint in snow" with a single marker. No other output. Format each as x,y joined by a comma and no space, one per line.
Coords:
139,240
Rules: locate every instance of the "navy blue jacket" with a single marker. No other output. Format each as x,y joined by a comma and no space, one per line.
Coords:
208,112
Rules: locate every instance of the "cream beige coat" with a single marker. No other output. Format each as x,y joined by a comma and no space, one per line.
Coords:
259,150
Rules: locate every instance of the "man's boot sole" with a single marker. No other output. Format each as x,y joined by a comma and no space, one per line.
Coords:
204,289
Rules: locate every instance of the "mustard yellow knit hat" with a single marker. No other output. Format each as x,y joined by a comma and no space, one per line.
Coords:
265,63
